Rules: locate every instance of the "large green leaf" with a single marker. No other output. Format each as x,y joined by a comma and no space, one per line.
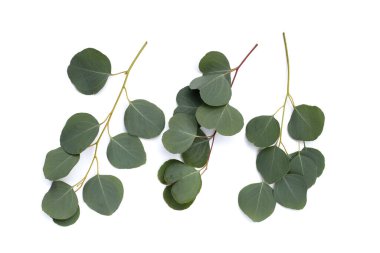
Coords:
263,131
226,120
306,123
58,164
164,166
272,163
125,151
60,202
317,157
257,201
168,197
89,71
215,89
79,132
181,133
215,62
188,101
103,194
70,221
144,119
198,153
304,166
291,191
186,182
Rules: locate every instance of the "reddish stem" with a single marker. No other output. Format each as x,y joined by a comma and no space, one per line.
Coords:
232,83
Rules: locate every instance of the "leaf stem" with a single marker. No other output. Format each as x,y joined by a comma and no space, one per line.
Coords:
241,63
108,119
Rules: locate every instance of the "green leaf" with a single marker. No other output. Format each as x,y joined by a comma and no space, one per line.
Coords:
144,119
197,154
317,157
257,201
304,166
125,151
272,163
306,123
215,62
168,197
58,164
103,193
89,71
291,191
226,120
181,133
70,221
215,89
263,131
186,182
79,132
60,202
188,101
161,171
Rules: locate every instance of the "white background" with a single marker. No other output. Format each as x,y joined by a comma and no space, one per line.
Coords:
334,49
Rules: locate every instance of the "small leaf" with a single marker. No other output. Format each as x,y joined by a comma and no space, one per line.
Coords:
263,131
60,202
226,120
125,151
79,132
257,201
304,166
144,119
89,71
161,171
317,157
306,123
188,101
272,163
58,164
70,221
291,191
103,193
215,62
186,182
215,89
168,197
181,133
197,154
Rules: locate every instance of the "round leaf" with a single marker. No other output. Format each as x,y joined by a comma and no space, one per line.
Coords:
60,202
198,153
89,71
257,201
215,62
144,119
70,221
181,133
263,131
215,89
317,157
58,164
188,101
226,120
79,132
103,194
161,171
291,191
125,151
306,123
171,201
272,163
304,166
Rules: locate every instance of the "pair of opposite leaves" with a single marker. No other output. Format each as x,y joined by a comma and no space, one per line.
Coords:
291,174
89,71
